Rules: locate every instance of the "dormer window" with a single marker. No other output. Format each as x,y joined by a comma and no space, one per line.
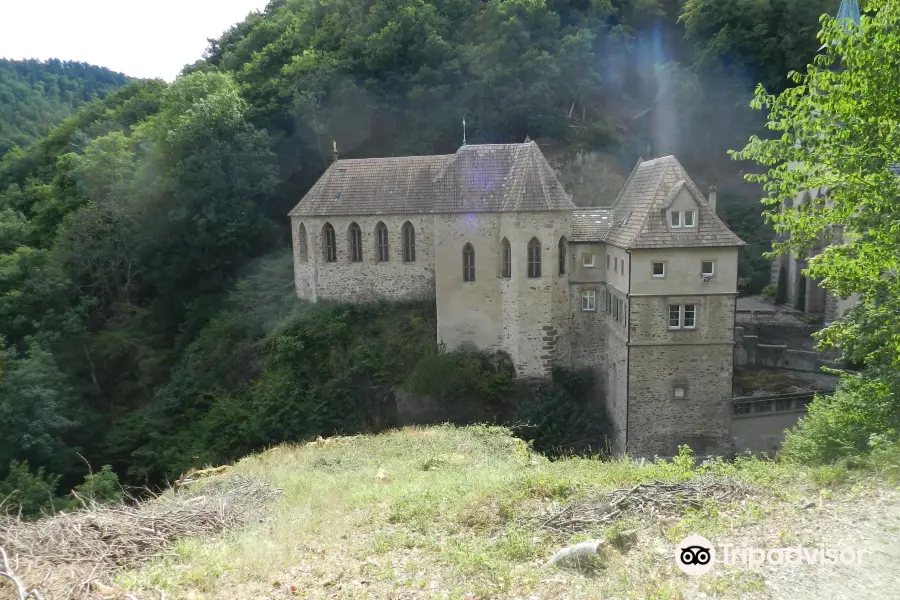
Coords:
683,218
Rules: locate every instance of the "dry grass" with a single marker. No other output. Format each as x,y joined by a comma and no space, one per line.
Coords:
449,512
70,555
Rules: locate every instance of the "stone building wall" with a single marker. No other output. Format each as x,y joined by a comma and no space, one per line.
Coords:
468,313
526,317
369,280
699,361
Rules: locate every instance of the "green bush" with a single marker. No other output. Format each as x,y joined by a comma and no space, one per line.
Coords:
476,386
564,419
769,291
862,415
30,493
102,487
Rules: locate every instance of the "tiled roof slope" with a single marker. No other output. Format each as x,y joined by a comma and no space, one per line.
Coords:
481,178
591,224
374,186
640,220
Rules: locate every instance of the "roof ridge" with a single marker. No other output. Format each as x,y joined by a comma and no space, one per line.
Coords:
630,240
640,162
545,193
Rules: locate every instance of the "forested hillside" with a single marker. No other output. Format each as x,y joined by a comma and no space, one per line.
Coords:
36,95
146,310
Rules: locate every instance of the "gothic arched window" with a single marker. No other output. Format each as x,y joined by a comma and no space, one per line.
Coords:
409,242
301,244
468,256
562,255
381,242
329,243
355,235
534,258
506,271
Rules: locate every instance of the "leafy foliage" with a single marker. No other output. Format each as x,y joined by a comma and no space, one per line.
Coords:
566,418
35,95
837,130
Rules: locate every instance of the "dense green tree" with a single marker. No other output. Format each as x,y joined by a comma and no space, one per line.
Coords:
837,128
35,95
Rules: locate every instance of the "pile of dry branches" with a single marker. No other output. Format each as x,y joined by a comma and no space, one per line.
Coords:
650,500
68,555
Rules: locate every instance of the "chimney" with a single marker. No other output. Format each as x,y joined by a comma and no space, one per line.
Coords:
334,149
712,197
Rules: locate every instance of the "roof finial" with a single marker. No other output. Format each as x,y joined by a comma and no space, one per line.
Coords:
464,131
527,139
334,149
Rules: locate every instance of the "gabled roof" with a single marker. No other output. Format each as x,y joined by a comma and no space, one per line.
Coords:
639,211
591,224
480,178
374,186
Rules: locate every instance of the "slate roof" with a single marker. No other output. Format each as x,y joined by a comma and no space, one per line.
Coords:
479,178
374,186
591,224
639,211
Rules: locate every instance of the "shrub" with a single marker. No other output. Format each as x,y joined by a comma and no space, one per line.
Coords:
863,414
564,419
102,487
32,494
769,291
477,386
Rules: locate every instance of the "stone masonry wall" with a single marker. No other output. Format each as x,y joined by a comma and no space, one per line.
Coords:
468,313
700,361
368,280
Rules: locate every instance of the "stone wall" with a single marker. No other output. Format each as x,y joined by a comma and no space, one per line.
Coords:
368,280
751,353
526,317
469,313
699,361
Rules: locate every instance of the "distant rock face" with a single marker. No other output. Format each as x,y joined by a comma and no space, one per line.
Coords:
592,178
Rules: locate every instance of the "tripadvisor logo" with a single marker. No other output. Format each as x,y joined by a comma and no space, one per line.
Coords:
695,555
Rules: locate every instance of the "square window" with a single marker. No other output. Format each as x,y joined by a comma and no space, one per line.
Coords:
587,260
659,269
679,392
674,316
708,268
688,218
690,316
589,300
676,218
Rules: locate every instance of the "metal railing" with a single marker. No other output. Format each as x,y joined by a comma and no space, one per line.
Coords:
749,406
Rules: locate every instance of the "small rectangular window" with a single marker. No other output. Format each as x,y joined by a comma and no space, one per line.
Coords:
674,316
708,268
679,392
690,316
589,300
587,260
622,266
676,218
616,264
607,261
682,316
659,269
688,218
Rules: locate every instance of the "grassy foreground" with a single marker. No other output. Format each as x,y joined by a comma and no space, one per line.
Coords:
448,512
